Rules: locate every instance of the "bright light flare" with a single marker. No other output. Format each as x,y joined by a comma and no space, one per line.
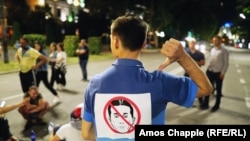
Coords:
242,16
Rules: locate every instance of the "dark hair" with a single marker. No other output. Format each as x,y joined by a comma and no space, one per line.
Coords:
119,102
131,30
41,47
25,39
61,46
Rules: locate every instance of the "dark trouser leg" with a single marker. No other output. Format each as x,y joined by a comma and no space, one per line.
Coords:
211,78
53,77
218,83
63,79
200,99
27,80
83,65
44,78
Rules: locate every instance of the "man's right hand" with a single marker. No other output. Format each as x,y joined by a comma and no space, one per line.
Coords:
173,50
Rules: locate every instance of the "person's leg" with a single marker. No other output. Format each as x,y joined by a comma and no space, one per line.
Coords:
44,78
84,69
63,79
200,99
205,104
218,83
52,77
39,77
23,112
81,66
44,110
58,79
27,80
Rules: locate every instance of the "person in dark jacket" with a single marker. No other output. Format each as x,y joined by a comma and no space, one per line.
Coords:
83,53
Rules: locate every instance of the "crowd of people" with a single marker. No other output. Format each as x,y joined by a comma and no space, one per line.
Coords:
110,105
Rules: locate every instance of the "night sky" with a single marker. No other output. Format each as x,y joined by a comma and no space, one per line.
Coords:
229,10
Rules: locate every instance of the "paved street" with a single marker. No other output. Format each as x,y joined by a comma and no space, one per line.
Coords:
234,106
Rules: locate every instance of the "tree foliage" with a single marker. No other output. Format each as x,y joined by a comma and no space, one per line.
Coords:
175,17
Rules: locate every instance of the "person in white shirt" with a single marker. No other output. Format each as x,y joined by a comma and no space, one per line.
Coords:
60,66
70,131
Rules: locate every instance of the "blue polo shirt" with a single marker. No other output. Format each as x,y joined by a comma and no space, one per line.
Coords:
146,92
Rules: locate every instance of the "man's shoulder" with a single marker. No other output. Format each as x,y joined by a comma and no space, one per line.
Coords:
199,52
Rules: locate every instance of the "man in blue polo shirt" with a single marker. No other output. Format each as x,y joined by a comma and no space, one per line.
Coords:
147,93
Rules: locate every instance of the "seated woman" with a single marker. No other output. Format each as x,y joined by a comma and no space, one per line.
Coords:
34,107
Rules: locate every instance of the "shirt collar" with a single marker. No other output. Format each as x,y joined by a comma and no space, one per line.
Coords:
128,62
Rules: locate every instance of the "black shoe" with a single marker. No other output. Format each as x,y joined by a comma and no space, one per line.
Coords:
203,107
215,108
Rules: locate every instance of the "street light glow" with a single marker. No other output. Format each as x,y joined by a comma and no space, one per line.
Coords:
242,16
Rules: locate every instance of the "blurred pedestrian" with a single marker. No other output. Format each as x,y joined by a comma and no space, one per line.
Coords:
42,73
83,54
27,57
17,45
52,62
60,66
198,57
127,80
5,133
217,68
34,107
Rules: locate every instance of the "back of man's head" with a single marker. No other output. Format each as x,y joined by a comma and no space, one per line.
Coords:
131,30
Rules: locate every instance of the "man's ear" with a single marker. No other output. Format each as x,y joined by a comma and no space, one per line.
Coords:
116,41
144,44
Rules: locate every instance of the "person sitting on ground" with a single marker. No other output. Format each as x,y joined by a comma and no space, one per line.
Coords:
34,107
5,133
70,131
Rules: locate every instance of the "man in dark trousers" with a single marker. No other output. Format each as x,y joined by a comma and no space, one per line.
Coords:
83,53
27,57
216,71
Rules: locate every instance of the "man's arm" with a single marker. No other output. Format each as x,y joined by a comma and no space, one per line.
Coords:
80,51
175,53
10,108
226,64
88,130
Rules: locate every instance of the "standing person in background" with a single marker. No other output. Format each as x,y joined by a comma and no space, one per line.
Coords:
60,66
17,45
27,57
218,65
83,54
42,73
127,80
198,57
52,62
